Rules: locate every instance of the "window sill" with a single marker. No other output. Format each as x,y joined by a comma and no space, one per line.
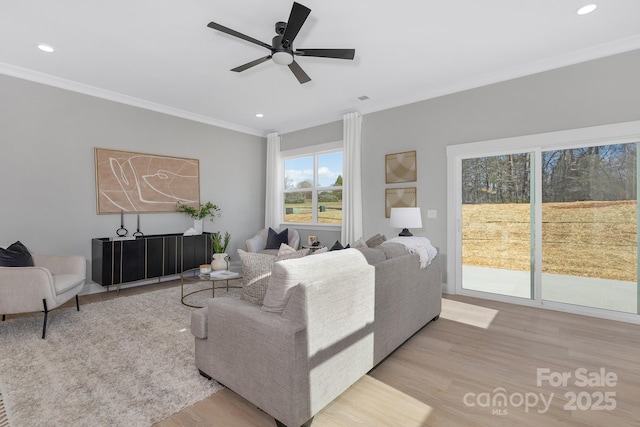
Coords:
309,226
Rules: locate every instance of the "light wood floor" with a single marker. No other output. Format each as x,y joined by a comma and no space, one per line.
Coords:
451,371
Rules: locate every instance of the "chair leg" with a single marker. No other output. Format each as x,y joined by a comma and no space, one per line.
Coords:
46,312
3,317
77,303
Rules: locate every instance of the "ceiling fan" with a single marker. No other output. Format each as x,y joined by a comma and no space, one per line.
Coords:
282,51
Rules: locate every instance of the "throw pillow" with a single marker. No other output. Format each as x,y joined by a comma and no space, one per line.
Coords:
338,246
360,244
256,269
285,249
16,255
275,239
292,254
392,250
320,251
376,240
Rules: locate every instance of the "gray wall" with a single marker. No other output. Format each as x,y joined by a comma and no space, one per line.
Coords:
47,136
598,92
47,175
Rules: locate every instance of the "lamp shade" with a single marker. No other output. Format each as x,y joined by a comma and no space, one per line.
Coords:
405,218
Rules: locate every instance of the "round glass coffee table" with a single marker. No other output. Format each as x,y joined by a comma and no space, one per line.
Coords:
194,276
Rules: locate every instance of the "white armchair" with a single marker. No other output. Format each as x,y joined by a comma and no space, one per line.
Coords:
258,242
52,281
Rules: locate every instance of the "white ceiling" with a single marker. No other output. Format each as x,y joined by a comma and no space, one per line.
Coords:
160,54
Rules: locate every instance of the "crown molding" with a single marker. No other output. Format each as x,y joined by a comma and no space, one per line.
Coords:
49,80
584,55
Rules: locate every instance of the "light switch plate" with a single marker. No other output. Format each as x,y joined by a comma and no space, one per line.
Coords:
432,213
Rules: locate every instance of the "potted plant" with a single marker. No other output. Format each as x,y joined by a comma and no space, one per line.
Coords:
219,245
206,210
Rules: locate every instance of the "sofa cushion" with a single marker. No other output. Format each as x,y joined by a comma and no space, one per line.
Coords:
373,255
275,239
256,270
16,255
288,274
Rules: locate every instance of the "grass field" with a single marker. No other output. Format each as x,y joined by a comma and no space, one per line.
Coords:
590,239
302,213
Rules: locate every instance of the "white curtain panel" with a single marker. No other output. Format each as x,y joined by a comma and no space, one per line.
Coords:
352,228
273,191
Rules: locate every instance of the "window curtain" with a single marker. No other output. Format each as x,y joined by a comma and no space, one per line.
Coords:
352,228
274,179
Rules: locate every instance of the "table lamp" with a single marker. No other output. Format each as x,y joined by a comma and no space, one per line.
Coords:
405,218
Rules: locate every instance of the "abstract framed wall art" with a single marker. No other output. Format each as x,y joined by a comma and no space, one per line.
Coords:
138,182
401,167
399,198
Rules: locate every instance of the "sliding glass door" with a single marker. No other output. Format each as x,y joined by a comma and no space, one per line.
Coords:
497,224
556,226
589,226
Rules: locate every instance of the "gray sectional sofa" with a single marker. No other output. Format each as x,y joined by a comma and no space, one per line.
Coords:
327,320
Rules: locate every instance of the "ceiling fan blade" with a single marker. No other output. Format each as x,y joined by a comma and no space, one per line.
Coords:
299,73
251,64
328,53
237,34
299,14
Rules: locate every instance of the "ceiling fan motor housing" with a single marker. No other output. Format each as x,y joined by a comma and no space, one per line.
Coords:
280,27
280,53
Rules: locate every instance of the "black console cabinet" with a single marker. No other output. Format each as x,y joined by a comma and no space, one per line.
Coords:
120,261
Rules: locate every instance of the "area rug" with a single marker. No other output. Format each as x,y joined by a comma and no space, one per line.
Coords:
123,362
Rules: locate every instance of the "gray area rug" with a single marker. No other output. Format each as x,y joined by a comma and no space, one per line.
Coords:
123,362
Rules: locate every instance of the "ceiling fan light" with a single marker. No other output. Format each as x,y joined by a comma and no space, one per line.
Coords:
282,58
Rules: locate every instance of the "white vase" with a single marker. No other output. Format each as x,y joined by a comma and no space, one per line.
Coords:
219,262
197,225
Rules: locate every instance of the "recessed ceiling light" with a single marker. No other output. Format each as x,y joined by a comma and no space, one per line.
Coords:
587,9
259,115
46,48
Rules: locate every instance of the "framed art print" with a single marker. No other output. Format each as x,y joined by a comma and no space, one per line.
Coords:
399,198
137,182
401,167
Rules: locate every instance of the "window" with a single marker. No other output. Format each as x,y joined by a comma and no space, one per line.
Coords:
313,188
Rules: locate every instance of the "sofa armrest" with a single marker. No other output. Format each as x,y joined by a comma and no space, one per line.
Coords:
62,264
247,348
199,323
34,283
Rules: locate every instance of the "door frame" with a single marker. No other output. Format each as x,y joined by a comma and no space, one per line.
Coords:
597,135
